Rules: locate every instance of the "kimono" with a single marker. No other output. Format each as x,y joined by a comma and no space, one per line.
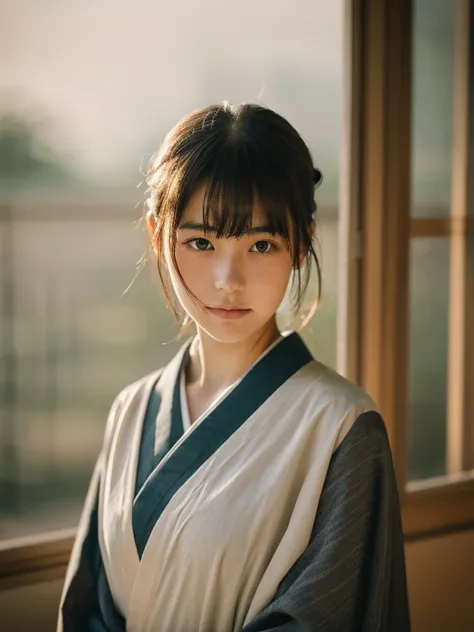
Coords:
275,511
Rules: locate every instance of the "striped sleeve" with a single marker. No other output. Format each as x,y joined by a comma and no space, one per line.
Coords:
351,577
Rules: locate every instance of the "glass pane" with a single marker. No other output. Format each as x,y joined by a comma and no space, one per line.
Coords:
429,301
77,126
76,340
433,59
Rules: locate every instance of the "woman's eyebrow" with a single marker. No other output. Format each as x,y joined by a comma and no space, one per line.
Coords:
206,228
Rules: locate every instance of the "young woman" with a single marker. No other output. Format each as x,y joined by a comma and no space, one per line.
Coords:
245,486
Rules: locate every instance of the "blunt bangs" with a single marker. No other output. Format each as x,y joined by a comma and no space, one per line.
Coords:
238,182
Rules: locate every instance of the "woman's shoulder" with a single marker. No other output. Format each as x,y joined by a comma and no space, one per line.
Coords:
138,389
344,403
130,398
334,389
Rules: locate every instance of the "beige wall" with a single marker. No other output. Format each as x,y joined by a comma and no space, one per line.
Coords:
440,577
441,583
30,609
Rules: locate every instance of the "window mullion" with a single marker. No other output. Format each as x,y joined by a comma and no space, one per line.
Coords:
385,202
460,426
349,236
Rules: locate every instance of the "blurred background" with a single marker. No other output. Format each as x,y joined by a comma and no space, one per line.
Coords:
88,91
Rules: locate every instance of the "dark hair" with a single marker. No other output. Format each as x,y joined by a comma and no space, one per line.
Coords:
241,152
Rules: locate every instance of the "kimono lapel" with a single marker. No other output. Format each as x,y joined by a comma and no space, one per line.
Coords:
117,492
163,425
205,437
169,424
117,488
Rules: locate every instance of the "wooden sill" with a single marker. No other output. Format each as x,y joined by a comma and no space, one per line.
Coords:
35,559
438,506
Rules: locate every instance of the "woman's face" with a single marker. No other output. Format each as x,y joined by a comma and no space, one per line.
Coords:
239,281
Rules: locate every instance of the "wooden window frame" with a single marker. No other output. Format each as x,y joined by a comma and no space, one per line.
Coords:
460,436
374,232
376,194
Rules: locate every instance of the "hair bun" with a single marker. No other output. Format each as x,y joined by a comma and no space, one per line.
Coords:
317,177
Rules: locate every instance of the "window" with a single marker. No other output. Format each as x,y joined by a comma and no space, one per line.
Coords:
442,257
412,199
432,145
398,243
86,98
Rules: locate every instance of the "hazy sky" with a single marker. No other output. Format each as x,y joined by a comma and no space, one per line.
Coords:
114,75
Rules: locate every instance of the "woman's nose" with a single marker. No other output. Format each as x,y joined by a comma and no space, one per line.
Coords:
229,274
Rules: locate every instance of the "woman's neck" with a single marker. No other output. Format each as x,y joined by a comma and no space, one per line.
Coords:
214,365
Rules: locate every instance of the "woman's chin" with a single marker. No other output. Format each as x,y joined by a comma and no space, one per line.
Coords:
228,331
236,331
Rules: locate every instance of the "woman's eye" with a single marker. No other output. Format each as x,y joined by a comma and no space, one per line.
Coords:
262,247
200,244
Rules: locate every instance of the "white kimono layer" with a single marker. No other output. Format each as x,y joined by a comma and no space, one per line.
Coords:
275,511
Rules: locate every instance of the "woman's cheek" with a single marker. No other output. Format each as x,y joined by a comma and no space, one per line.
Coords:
194,270
272,272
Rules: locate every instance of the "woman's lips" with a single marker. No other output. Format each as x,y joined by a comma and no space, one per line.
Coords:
229,314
